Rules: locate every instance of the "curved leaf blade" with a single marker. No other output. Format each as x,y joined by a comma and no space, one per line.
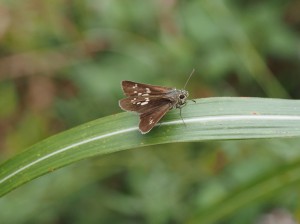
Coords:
208,119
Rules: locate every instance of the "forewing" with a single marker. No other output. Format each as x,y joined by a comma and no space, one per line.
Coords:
150,118
143,104
139,89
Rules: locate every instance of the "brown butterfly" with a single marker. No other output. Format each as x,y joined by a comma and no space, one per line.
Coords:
151,102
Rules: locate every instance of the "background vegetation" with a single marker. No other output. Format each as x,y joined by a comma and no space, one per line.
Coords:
61,63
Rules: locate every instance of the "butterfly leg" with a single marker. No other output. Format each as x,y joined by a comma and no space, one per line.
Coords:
181,116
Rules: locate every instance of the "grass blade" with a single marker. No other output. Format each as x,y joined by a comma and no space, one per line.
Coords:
208,119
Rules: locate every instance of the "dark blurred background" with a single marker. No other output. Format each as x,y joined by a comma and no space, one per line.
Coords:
61,64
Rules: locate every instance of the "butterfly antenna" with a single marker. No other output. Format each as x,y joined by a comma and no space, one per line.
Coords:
189,78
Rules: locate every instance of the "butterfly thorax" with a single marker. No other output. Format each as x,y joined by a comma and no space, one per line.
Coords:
178,97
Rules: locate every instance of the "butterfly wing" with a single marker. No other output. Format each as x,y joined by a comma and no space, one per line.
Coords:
150,118
139,89
150,113
143,104
151,102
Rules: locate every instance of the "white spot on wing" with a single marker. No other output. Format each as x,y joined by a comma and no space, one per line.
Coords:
133,101
151,121
144,103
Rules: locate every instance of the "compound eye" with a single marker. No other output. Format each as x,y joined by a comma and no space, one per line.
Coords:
182,96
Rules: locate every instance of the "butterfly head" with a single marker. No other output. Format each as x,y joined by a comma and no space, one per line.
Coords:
182,96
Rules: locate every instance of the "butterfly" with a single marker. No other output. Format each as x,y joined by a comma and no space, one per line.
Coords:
151,102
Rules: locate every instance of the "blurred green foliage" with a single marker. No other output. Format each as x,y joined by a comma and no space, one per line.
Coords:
61,64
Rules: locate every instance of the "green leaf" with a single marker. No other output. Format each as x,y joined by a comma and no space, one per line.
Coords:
207,119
